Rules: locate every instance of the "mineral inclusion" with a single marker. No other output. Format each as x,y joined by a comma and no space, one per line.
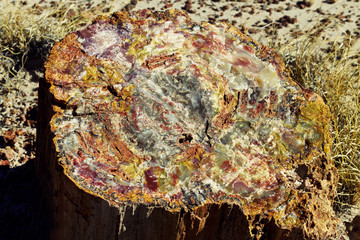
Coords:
153,108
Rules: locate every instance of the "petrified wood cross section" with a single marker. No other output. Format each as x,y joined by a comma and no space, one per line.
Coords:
152,108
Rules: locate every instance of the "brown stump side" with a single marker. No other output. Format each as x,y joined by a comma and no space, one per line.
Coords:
71,213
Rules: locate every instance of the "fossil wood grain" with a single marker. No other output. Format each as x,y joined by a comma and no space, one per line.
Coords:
183,131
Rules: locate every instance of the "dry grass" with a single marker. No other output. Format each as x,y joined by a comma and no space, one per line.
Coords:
333,72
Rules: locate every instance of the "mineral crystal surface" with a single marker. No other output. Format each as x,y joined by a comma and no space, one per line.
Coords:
153,108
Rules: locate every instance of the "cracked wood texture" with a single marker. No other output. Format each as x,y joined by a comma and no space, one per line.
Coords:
188,131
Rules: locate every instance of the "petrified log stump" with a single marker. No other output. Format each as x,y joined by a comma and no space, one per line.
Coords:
188,131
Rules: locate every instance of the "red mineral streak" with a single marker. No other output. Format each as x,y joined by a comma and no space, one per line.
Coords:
226,165
243,62
151,180
240,187
175,176
249,49
161,60
86,172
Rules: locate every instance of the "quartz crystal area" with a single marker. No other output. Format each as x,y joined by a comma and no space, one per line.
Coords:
153,108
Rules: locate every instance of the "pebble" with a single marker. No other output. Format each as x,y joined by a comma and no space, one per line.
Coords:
309,2
9,153
9,135
22,117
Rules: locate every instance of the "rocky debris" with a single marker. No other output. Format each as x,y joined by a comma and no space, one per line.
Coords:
17,121
154,108
303,4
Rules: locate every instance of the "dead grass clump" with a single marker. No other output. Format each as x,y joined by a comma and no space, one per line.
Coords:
332,70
